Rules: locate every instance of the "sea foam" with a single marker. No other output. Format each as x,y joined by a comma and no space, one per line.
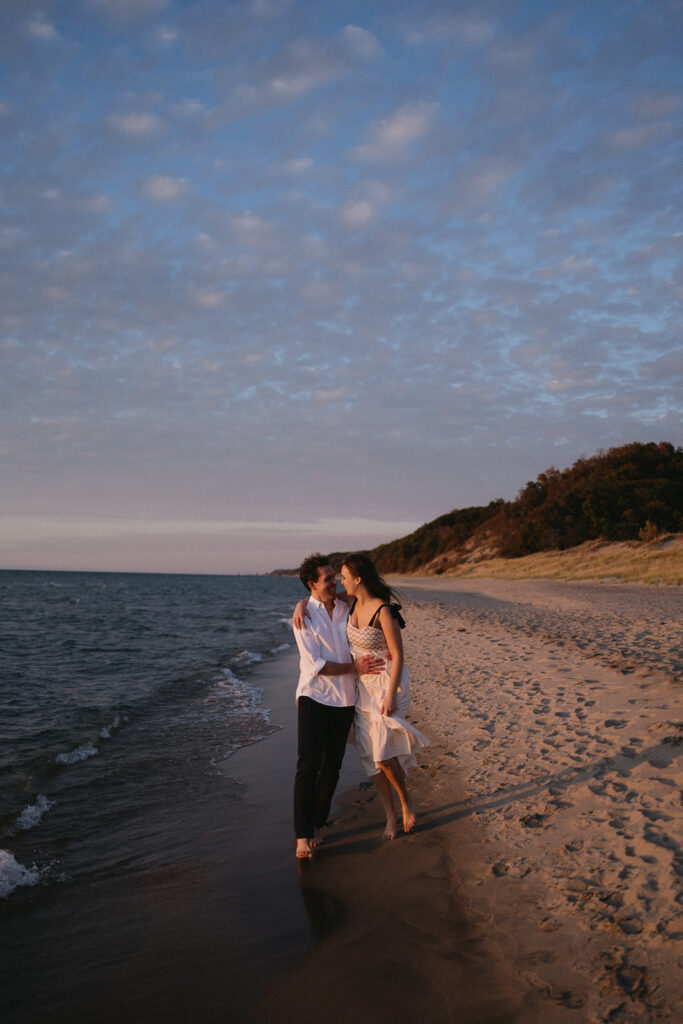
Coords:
31,815
105,733
246,658
243,697
13,874
81,753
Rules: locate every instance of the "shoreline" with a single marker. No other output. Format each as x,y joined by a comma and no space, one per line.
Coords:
400,956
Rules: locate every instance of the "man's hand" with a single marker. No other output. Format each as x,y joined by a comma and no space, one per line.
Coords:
368,664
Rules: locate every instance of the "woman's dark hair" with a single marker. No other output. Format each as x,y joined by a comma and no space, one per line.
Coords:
309,570
362,566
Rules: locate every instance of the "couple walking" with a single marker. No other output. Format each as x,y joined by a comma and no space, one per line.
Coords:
352,673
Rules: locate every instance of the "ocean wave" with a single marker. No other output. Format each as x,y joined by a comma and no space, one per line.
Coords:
81,753
13,874
280,648
246,658
31,815
243,697
105,733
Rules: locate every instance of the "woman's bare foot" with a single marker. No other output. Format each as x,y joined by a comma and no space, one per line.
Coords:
390,829
303,849
409,818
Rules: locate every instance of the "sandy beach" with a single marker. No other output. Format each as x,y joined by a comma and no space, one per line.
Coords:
544,883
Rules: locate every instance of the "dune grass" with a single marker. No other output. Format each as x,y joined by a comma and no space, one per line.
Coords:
658,561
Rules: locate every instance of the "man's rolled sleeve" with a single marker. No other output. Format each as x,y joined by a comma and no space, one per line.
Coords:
311,660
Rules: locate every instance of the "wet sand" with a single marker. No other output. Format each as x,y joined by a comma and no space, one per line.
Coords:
387,935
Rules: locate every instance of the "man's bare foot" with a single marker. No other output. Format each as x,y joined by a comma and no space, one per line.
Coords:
303,849
390,829
409,818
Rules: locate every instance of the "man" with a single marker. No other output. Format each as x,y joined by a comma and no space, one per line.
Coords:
326,698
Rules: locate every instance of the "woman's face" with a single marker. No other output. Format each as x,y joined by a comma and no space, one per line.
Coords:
349,582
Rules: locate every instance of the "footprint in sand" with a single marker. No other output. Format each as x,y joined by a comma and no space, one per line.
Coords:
534,820
661,839
629,752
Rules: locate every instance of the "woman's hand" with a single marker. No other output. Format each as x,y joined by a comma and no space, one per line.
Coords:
301,613
388,706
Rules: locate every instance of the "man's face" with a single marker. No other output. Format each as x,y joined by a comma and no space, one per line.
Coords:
325,587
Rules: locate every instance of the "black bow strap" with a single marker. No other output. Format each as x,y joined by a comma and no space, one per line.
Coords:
395,610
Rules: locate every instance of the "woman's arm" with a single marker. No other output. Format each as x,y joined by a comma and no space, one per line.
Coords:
392,635
301,613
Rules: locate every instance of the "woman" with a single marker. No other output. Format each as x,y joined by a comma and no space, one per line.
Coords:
385,741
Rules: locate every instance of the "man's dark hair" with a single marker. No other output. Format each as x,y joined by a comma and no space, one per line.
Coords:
309,570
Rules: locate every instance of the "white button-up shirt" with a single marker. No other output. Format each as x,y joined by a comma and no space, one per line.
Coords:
323,640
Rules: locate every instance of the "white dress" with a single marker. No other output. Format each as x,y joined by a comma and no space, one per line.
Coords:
378,737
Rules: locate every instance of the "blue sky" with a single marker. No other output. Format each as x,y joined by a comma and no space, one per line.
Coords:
279,276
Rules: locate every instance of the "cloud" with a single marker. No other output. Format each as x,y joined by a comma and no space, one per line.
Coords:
97,204
302,65
166,35
391,136
298,164
128,11
136,125
361,42
357,214
468,29
188,108
656,105
40,29
164,189
207,299
308,64
253,231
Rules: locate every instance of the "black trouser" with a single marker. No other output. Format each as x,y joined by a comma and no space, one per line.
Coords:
322,741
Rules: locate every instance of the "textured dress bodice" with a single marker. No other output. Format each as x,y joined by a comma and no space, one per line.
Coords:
366,640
